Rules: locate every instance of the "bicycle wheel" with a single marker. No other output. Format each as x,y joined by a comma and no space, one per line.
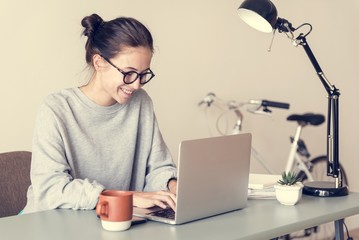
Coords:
317,168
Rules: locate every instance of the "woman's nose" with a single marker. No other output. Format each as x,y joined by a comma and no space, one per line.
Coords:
136,84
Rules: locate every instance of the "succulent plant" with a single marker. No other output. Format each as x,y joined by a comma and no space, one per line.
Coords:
289,179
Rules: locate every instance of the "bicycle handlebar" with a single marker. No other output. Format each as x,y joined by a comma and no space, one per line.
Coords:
266,103
257,107
211,97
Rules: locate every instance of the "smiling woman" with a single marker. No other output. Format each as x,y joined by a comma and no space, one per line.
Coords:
131,47
104,134
198,48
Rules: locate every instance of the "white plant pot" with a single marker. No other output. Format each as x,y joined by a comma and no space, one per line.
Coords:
288,195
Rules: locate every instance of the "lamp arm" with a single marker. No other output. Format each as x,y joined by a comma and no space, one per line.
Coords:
333,168
301,40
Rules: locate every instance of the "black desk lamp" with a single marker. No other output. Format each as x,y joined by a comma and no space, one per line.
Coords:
262,15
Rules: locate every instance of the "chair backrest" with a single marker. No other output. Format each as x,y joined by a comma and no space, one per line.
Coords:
14,181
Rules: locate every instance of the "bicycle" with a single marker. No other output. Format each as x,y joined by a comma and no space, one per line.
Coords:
299,159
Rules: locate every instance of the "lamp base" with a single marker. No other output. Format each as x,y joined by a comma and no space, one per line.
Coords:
324,189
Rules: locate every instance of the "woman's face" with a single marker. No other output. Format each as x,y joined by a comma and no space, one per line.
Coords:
114,89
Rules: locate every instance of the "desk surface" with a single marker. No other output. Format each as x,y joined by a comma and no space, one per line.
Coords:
262,219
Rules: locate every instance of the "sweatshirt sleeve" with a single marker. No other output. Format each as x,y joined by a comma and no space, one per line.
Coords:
51,181
160,167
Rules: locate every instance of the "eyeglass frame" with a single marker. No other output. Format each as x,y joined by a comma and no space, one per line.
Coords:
125,74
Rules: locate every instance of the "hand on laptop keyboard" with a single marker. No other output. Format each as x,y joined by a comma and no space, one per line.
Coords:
161,199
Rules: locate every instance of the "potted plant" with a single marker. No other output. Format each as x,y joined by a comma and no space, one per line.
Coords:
288,190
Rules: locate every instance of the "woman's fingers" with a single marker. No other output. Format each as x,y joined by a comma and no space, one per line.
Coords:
151,199
169,198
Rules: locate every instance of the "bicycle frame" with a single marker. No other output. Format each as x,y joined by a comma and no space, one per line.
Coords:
294,157
294,160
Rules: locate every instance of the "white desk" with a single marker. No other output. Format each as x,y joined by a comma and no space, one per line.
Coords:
262,219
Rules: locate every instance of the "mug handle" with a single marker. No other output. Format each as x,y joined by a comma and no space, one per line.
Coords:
102,209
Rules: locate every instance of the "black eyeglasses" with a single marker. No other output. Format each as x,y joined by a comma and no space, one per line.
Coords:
131,76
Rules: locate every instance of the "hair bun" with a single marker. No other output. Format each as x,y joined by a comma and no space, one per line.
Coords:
91,24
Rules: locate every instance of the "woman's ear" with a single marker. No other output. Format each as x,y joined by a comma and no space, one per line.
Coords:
97,62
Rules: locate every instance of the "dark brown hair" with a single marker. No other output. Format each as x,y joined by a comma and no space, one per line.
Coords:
109,38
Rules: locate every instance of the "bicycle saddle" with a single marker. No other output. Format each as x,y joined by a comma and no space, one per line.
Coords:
308,118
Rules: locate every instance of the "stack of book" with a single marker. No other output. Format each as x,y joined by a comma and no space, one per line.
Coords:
261,186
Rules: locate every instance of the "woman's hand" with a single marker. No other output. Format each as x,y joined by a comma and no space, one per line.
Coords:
151,199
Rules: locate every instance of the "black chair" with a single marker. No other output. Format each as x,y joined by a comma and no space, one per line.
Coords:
14,181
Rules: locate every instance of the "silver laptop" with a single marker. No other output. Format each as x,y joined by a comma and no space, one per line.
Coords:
212,179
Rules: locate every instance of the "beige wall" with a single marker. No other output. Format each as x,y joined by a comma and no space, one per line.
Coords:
199,48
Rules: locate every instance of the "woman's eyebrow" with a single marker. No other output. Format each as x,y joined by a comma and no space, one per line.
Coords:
136,70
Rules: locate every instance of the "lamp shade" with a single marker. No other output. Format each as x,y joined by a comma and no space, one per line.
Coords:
259,14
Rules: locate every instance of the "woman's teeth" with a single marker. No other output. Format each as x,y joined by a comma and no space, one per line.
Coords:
126,91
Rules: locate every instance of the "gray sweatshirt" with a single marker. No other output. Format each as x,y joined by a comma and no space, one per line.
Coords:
81,148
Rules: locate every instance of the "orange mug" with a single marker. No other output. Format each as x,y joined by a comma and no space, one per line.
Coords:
115,209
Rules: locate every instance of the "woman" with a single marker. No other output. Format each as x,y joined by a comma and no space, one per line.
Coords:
103,135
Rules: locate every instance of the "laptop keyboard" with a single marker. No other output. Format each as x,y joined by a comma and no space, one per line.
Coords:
164,213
